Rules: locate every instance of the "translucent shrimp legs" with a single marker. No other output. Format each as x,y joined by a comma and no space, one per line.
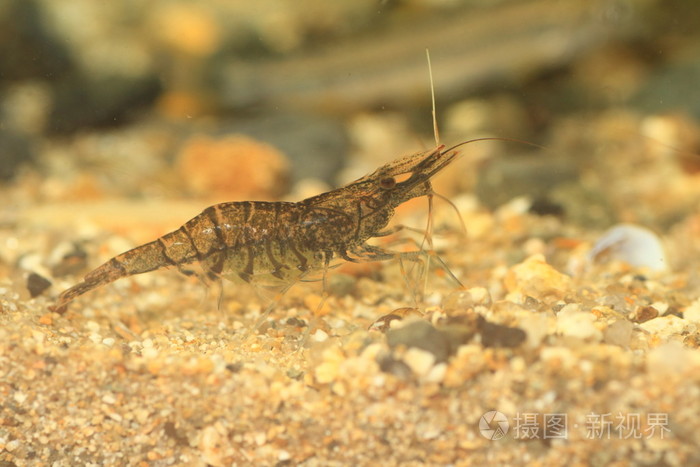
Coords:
283,242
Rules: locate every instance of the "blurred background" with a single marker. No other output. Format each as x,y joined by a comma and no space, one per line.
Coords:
226,100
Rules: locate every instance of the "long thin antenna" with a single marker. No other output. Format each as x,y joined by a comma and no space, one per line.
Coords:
429,231
432,95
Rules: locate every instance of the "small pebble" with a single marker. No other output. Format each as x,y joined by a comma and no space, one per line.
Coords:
20,397
329,369
422,335
535,278
619,333
109,399
320,335
37,284
498,335
644,313
436,374
210,445
389,364
419,361
12,445
633,244
665,326
578,324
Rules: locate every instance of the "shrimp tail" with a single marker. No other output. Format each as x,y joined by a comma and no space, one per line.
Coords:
145,258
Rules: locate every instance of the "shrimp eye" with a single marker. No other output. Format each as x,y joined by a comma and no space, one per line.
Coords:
387,183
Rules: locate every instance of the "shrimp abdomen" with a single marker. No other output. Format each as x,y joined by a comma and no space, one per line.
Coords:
176,248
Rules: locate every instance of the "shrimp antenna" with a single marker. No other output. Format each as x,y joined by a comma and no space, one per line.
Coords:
432,95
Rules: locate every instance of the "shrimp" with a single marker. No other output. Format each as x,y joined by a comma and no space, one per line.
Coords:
281,243
284,242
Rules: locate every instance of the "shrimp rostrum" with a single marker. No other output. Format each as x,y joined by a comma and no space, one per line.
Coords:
282,242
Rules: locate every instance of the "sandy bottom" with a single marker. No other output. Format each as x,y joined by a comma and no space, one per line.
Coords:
543,356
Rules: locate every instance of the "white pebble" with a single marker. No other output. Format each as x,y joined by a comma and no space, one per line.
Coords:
579,324
436,374
108,341
666,326
420,361
260,438
12,445
320,335
19,397
635,245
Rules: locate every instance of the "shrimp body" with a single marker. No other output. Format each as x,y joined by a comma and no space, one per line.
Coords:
282,242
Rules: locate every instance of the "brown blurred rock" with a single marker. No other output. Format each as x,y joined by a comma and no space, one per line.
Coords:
232,168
